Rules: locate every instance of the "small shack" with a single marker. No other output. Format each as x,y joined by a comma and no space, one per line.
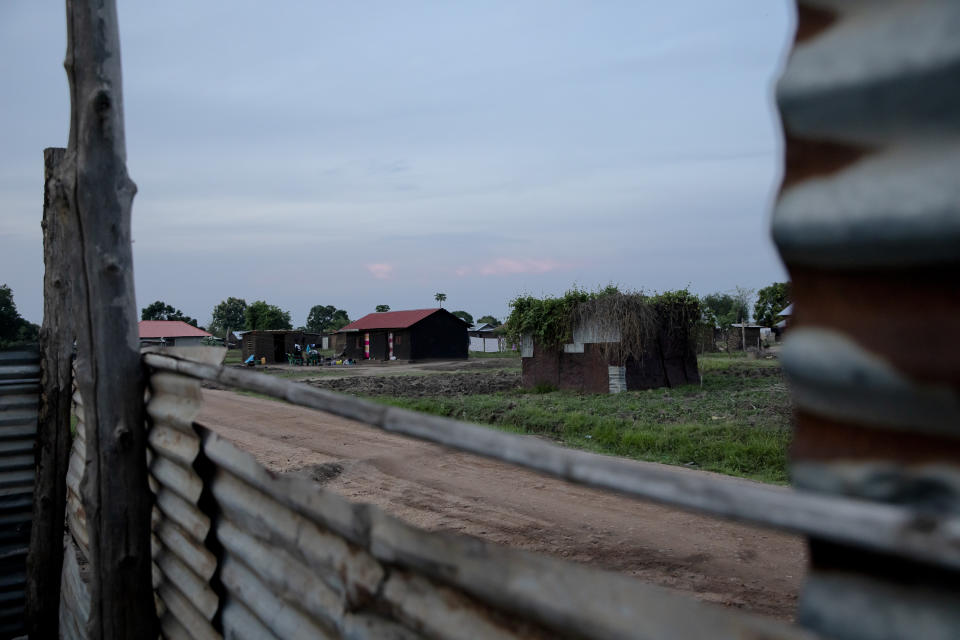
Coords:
416,334
170,333
485,338
741,337
274,345
618,342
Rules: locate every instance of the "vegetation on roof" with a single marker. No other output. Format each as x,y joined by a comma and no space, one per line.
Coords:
638,318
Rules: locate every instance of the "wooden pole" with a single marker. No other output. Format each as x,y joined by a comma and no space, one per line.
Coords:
60,256
109,374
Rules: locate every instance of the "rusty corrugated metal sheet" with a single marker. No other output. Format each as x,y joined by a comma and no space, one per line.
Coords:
19,405
868,224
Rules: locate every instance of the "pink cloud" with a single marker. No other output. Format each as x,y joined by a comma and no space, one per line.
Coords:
380,270
512,266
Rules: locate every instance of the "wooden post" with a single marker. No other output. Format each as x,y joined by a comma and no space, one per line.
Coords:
60,256
109,374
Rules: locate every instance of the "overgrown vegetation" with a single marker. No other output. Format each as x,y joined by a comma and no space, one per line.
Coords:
637,319
737,422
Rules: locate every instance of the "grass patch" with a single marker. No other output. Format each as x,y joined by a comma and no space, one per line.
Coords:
736,422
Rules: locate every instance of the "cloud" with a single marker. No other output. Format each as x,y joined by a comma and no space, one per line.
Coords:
380,270
513,266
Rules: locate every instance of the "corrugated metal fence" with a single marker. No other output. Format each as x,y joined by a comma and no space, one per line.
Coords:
19,403
242,553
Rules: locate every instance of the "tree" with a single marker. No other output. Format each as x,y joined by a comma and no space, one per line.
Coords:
771,301
265,317
490,320
383,308
9,316
463,315
722,309
326,319
14,328
228,315
161,311
742,297
440,297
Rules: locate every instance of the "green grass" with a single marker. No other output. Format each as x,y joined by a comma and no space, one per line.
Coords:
731,424
234,356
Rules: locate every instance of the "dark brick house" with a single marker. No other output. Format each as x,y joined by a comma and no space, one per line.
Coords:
417,334
582,365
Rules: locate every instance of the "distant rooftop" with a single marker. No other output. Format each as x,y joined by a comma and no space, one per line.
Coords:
169,329
391,319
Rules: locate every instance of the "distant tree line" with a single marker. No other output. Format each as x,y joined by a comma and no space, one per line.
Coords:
234,314
720,309
14,329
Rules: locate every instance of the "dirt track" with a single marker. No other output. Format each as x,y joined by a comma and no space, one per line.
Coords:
439,489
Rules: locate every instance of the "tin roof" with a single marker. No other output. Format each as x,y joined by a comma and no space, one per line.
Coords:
390,320
169,329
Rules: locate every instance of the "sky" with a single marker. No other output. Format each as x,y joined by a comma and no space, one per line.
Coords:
365,153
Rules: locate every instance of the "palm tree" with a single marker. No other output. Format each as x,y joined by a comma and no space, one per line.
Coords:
440,297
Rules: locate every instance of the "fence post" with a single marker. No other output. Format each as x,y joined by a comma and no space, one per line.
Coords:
109,374
60,256
867,224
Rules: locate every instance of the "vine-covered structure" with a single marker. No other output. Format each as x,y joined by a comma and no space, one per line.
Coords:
607,341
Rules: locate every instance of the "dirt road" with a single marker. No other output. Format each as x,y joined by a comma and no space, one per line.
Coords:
439,489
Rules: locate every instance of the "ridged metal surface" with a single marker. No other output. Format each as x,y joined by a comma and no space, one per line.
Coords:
182,565
19,404
868,224
871,102
74,596
249,554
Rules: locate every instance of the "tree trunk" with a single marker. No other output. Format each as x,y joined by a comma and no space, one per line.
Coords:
61,257
109,374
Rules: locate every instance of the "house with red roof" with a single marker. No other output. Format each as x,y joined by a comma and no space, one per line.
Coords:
415,334
170,333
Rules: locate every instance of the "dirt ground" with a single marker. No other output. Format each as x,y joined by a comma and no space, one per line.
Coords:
375,369
439,489
451,384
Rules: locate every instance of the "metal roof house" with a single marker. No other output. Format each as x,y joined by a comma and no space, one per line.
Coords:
170,333
415,334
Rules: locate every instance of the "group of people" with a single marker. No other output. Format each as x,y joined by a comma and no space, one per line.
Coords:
310,348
